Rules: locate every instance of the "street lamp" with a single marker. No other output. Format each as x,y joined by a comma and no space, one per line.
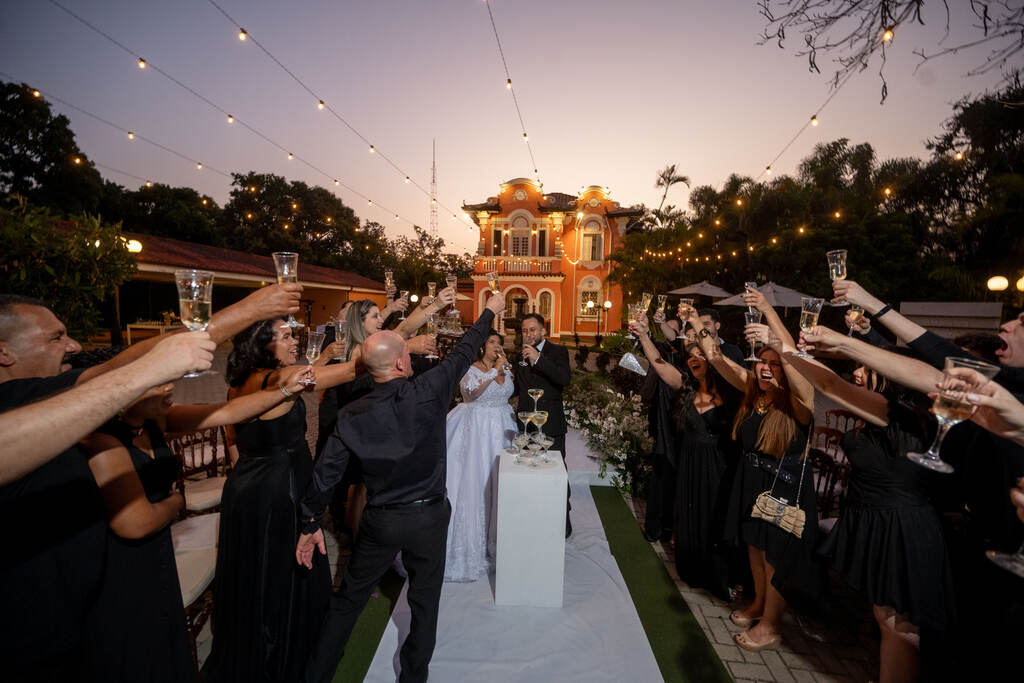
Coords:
607,307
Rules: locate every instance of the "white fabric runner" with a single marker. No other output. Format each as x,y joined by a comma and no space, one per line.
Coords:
596,636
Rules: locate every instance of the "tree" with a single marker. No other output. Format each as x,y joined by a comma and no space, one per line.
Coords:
159,209
38,155
73,266
855,30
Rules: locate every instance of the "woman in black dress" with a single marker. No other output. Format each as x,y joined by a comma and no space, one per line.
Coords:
888,542
705,406
137,630
770,426
267,609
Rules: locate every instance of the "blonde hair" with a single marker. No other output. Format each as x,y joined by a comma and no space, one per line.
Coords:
778,428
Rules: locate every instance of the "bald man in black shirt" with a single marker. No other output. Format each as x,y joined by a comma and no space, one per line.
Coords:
398,434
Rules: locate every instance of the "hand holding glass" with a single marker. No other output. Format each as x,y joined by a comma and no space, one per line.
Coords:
195,302
810,309
837,267
753,318
313,343
287,265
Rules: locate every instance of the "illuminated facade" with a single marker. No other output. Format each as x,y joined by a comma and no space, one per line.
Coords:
551,255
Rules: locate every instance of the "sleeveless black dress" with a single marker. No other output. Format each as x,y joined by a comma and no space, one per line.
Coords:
888,542
704,457
137,630
796,570
267,609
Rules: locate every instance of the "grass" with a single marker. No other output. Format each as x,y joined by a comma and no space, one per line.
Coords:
680,647
366,635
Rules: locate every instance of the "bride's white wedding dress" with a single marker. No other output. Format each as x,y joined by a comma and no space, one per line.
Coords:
479,428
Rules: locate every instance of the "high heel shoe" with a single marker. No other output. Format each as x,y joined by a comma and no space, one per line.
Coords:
744,641
737,618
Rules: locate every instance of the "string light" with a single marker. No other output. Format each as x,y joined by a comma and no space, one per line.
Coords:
837,215
372,150
291,156
36,93
739,202
887,36
887,191
131,135
142,63
958,156
231,119
242,34
149,184
768,170
320,105
407,180
199,166
78,160
508,83
814,120
526,138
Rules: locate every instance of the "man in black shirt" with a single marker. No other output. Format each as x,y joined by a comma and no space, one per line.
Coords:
398,434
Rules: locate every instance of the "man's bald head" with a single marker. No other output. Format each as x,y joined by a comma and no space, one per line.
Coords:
386,356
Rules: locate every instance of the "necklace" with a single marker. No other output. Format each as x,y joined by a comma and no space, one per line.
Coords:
764,402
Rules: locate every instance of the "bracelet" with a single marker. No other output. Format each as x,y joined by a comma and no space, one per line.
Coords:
287,394
883,310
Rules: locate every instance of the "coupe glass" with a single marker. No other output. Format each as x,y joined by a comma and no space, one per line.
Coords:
951,407
314,341
535,394
753,318
195,302
287,265
810,309
837,267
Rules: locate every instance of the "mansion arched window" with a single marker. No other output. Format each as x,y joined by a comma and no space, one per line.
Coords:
520,237
545,305
589,290
593,241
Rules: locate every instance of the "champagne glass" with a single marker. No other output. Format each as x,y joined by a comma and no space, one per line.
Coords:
403,294
951,407
432,331
431,292
389,282
750,286
341,335
525,416
539,416
545,442
1011,562
492,281
536,393
521,441
287,265
853,316
837,267
645,302
195,301
314,341
753,318
662,300
451,280
810,309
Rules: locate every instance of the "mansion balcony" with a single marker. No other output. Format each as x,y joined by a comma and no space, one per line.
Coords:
518,265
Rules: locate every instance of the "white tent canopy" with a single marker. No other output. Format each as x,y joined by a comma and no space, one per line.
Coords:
702,288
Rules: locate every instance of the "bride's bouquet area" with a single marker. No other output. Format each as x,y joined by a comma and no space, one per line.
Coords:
613,424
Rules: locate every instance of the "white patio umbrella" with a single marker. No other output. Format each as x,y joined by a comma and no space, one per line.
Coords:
702,288
777,295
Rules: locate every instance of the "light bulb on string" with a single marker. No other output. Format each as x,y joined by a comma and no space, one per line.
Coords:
768,170
149,184
814,120
320,105
336,181
131,135
958,156
369,202
372,150
199,166
739,202
887,36
290,156
36,93
407,180
508,84
231,119
142,63
242,34
78,161
526,138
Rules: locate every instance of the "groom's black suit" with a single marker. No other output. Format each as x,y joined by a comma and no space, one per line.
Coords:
550,373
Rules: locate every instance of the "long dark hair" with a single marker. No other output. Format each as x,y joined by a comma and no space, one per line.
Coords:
490,333
716,385
251,352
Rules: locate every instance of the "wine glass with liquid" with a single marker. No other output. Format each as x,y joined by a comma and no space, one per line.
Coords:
950,408
810,309
432,331
314,340
540,417
287,265
753,318
853,316
403,294
645,302
195,302
837,268
750,287
492,281
662,300
535,394
341,336
431,292
451,280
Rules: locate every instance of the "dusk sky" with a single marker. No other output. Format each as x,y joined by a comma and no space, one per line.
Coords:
611,92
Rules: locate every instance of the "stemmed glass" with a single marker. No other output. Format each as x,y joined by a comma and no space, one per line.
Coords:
523,439
662,300
536,393
492,281
341,335
195,302
539,418
403,294
810,309
431,292
753,318
951,407
432,331
389,283
544,442
645,302
837,268
853,316
451,280
287,265
314,341
751,287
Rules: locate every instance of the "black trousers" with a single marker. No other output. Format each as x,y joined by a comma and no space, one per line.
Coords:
559,445
421,534
661,495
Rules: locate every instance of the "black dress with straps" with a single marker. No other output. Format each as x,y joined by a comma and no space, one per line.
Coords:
137,630
267,608
796,568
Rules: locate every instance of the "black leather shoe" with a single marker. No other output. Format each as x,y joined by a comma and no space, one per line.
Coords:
650,538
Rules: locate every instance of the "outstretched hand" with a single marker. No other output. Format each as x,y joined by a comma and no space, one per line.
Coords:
496,303
639,327
752,297
178,354
820,338
307,543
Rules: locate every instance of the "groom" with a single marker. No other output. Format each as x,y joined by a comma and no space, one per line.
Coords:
544,365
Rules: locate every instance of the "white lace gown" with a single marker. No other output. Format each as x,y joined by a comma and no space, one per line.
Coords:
479,428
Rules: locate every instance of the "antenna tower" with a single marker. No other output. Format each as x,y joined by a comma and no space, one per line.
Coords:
433,189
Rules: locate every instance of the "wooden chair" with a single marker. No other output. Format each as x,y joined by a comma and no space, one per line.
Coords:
831,473
203,458
843,420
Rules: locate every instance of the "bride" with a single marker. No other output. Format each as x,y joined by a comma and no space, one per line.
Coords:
478,429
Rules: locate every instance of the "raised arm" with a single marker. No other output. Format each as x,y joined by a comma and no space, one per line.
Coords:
129,511
866,404
669,328
418,318
667,372
909,372
275,301
730,371
752,297
801,391
904,329
36,433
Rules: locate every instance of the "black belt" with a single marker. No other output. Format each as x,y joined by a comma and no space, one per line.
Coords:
422,502
770,466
